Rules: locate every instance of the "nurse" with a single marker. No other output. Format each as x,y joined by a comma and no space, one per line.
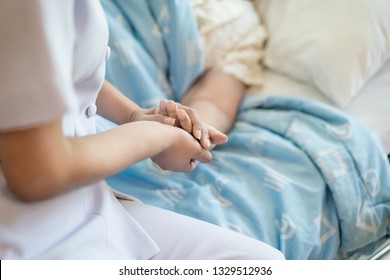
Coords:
54,203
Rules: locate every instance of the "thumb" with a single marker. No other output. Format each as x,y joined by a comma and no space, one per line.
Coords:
204,156
217,137
161,119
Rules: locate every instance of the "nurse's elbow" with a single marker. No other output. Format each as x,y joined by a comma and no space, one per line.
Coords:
36,187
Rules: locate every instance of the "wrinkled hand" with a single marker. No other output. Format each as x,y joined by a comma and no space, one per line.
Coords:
188,119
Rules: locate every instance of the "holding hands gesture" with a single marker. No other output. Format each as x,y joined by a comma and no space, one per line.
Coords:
192,147
188,119
180,149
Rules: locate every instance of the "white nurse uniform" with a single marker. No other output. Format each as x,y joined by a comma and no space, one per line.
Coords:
55,55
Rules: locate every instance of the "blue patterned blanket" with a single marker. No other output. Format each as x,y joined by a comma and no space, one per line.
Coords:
296,174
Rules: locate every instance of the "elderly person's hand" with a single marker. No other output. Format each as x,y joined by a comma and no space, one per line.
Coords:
188,119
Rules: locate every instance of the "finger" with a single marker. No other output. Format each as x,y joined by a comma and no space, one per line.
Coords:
161,119
216,136
197,126
184,120
204,156
197,130
172,109
193,164
189,167
205,139
163,107
170,121
150,111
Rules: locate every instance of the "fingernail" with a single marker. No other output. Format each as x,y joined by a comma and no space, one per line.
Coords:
198,134
193,163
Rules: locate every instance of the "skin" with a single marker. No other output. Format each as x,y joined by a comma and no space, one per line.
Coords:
40,162
216,96
215,99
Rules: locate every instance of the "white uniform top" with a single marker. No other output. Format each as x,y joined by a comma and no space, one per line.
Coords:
53,57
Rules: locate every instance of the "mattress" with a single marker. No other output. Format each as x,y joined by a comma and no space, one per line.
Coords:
371,107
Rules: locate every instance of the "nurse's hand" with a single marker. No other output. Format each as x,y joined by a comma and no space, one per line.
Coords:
169,113
183,152
141,114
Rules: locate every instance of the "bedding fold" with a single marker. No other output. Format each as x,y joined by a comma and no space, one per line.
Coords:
296,174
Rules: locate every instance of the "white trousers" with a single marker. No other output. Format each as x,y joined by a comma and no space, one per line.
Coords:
181,238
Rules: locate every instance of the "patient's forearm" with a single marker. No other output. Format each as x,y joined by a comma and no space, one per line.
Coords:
216,96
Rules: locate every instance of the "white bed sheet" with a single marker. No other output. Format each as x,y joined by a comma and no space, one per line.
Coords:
371,106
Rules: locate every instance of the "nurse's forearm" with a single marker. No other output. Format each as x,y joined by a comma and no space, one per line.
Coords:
99,156
40,163
113,105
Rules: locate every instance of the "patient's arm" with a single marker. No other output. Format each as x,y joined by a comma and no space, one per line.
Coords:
216,96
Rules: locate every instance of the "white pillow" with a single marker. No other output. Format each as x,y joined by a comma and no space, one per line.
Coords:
335,45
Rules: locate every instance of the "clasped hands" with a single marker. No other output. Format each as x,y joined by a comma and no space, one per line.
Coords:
175,114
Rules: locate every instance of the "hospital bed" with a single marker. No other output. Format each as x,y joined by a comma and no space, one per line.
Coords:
305,168
371,107
313,52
